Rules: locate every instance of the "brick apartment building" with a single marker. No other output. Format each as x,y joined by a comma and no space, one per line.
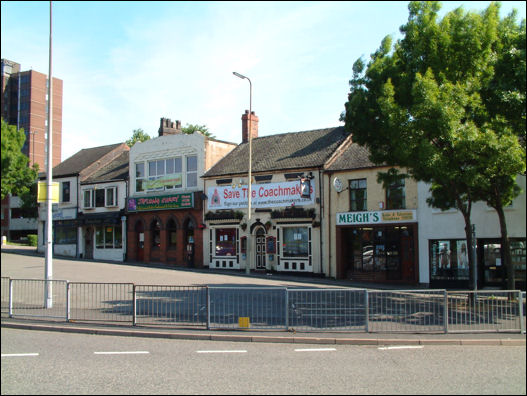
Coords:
24,104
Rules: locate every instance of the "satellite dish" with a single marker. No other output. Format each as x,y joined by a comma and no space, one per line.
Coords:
337,184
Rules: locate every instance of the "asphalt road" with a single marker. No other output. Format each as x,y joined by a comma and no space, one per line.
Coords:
35,362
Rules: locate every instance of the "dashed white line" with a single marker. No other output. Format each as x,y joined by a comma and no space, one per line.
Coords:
315,350
18,354
401,347
233,351
122,353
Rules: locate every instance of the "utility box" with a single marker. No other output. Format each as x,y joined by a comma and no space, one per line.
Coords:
244,322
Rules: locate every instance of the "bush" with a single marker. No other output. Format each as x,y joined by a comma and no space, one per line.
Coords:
32,240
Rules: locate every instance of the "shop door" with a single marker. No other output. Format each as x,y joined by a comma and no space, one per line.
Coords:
260,248
88,243
407,258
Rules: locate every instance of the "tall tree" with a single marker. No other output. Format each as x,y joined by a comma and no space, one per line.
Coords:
138,136
439,100
17,177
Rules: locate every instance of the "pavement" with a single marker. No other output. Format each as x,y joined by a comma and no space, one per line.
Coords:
270,336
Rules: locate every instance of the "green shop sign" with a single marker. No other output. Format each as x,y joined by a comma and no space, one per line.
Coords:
376,217
163,202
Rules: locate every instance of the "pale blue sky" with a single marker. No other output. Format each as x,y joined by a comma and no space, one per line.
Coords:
127,64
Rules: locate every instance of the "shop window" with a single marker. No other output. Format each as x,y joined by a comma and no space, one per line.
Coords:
65,191
65,235
449,260
358,196
156,233
395,195
295,242
108,237
172,233
225,242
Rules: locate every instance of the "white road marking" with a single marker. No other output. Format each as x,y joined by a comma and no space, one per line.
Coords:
121,353
402,347
234,351
18,354
315,350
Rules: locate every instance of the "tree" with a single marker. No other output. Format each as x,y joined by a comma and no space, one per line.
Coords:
442,103
17,177
191,128
138,136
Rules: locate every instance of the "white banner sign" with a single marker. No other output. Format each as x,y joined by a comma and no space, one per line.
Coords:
263,196
377,217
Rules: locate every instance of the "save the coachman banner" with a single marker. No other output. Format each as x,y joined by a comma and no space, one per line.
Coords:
263,195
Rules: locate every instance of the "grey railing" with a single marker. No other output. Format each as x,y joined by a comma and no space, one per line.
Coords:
266,308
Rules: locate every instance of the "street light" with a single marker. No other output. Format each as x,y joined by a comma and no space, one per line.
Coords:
247,267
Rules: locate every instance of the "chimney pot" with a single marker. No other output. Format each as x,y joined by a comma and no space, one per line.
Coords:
253,118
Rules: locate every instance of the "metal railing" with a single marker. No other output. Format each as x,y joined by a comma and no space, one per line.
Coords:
267,308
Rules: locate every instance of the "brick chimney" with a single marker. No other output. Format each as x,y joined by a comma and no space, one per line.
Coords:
167,127
245,126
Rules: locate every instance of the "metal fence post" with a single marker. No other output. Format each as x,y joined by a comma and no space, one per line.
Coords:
134,306
445,311
10,298
286,309
208,308
522,321
67,301
367,310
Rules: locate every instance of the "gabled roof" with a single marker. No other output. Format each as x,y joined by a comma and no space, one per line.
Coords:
353,157
286,151
81,160
115,170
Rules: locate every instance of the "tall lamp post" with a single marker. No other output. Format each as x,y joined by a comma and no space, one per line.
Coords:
247,266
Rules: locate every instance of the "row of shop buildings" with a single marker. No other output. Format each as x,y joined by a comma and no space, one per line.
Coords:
316,208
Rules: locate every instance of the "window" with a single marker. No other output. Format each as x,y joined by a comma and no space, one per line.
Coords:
296,242
66,191
395,195
156,233
449,260
192,171
108,237
358,201
65,235
140,177
111,196
172,233
225,242
99,198
88,199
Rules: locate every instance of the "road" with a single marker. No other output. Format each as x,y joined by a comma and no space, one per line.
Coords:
35,362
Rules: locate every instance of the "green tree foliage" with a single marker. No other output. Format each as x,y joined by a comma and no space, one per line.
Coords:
191,128
447,103
17,177
138,136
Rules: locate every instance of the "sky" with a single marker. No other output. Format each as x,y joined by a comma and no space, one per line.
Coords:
125,65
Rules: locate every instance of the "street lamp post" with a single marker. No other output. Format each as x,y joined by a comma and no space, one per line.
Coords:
247,266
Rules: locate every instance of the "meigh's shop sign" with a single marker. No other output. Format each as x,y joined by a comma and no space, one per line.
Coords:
376,217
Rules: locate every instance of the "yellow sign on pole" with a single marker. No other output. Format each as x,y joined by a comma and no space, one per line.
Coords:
42,192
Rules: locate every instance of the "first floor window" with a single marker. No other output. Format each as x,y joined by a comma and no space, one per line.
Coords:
358,201
99,198
65,191
88,199
295,242
395,195
225,242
